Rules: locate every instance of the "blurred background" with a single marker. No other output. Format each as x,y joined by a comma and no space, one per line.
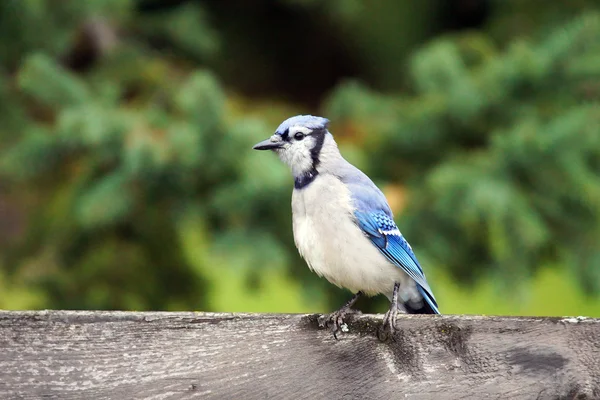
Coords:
127,179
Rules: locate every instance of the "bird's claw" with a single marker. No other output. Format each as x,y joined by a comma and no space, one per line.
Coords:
388,328
335,321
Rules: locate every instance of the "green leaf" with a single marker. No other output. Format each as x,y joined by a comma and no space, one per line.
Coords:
107,202
42,78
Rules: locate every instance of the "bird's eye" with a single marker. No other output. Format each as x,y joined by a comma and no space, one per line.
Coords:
299,136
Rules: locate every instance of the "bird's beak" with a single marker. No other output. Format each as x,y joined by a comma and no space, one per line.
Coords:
268,144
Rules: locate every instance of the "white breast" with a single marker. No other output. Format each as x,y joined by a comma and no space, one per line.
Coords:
333,245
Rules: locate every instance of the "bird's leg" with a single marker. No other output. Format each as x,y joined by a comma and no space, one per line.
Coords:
336,319
389,320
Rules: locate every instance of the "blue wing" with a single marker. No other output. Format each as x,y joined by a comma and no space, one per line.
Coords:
383,233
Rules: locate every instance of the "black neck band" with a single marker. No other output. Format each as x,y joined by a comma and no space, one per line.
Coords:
305,179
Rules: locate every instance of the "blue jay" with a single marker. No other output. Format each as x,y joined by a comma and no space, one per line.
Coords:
343,226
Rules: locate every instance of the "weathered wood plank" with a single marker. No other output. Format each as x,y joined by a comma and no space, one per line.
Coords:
124,355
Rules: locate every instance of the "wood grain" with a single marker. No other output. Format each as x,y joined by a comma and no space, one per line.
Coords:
129,355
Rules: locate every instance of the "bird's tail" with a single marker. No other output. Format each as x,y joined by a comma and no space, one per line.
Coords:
427,306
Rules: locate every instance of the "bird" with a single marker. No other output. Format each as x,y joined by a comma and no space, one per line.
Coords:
343,226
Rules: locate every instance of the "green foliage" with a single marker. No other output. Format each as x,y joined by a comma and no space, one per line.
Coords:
126,150
131,175
55,20
115,176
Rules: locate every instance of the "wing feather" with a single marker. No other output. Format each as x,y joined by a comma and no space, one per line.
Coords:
381,229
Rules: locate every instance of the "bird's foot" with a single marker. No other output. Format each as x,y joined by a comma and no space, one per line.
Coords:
335,320
388,328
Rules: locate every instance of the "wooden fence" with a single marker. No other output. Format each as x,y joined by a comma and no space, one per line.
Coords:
160,355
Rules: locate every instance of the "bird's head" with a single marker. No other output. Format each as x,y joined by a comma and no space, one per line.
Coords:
298,142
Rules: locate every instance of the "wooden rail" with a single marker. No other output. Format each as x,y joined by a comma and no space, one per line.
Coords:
160,355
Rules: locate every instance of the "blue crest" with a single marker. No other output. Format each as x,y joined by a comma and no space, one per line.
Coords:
309,121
